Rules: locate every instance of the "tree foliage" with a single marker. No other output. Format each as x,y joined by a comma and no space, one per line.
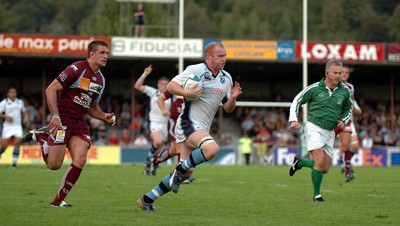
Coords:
339,20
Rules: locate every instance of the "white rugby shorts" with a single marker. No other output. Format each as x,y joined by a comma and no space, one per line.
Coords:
12,131
161,127
316,137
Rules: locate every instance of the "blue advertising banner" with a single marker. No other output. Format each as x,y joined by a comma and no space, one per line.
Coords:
208,41
364,157
374,157
226,156
395,159
285,50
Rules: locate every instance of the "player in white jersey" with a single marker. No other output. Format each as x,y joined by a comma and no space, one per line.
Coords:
158,122
192,129
348,137
12,110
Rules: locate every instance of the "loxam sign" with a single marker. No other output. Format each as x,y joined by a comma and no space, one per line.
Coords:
354,52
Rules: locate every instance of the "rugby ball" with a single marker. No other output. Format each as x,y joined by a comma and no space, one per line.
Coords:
190,81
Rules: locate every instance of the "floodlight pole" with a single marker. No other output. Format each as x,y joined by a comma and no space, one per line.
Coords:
181,14
305,57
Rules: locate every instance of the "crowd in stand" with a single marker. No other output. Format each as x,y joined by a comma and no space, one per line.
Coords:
265,125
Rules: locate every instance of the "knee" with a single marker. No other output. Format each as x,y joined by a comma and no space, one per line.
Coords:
54,165
346,147
210,150
79,162
158,144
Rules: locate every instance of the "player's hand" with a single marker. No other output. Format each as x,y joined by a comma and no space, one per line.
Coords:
111,118
340,124
295,125
236,90
166,113
25,121
194,92
54,124
9,118
148,70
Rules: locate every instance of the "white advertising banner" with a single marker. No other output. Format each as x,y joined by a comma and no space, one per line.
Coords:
156,47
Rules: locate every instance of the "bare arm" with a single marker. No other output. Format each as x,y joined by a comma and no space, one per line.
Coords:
161,104
51,96
193,92
236,91
139,84
25,118
356,108
96,112
6,117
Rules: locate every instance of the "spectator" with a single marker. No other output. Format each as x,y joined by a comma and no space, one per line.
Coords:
113,139
94,125
378,140
101,134
136,125
126,139
141,141
225,139
248,124
139,21
125,115
367,142
293,139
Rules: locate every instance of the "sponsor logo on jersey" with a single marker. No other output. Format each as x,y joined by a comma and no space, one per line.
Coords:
75,68
63,76
207,76
340,101
84,84
84,100
96,88
213,90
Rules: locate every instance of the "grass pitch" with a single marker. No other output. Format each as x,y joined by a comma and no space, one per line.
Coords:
221,195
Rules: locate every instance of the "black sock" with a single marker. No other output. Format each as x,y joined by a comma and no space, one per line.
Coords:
146,199
180,169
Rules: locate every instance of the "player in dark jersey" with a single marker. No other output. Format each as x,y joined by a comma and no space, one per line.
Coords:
348,138
80,87
176,109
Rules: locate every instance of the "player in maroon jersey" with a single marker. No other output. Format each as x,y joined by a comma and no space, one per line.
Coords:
348,137
80,87
176,109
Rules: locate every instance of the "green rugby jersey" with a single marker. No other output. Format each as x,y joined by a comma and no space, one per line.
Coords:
325,107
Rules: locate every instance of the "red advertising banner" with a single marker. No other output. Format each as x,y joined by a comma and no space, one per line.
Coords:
354,52
31,154
393,52
46,45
